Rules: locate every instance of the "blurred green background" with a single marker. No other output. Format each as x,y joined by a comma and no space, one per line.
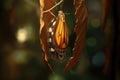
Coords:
21,57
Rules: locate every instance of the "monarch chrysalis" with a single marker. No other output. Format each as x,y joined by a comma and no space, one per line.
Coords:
57,32
61,33
58,37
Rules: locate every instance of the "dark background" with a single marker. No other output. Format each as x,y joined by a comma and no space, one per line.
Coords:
20,51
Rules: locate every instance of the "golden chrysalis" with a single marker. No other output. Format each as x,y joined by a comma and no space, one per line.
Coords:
58,37
61,33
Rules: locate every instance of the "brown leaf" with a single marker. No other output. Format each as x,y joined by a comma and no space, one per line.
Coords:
106,8
80,30
44,20
108,56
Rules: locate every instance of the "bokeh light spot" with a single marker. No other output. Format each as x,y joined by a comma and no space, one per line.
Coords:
26,33
20,56
56,77
98,59
91,41
21,35
95,23
95,6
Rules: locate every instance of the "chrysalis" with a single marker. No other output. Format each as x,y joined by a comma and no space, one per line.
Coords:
58,37
61,33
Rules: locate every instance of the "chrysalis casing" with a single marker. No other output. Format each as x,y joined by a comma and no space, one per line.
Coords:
58,37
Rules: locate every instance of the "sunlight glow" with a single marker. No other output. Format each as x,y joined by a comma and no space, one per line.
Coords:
21,35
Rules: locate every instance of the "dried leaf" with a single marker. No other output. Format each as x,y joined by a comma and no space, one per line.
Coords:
106,9
108,56
80,30
44,20
107,6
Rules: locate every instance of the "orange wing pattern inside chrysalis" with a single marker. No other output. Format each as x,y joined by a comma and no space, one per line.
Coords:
61,34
